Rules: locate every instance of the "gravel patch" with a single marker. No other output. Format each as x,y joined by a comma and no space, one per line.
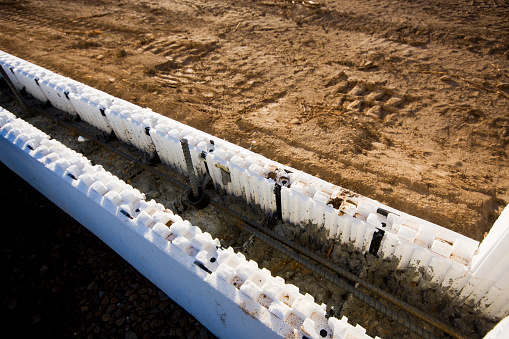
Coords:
62,281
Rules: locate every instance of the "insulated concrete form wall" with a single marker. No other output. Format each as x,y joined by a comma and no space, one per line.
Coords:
444,256
231,296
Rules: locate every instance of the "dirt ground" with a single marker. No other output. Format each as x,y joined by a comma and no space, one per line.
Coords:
406,102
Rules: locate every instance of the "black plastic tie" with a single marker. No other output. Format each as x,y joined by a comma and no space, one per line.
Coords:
382,211
67,95
376,241
126,214
37,81
102,111
203,267
70,175
147,130
30,147
277,192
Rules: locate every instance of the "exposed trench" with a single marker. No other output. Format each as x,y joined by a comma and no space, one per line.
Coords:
220,225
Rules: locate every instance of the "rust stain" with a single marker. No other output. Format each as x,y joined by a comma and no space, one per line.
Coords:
330,249
253,315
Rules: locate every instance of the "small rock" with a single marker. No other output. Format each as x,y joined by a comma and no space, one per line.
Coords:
395,101
358,89
203,333
446,78
110,308
36,319
100,57
120,321
106,317
130,335
120,53
368,65
341,86
375,95
153,195
355,105
163,305
375,111
503,86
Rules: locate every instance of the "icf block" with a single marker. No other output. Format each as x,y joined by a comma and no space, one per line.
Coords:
8,67
117,117
455,278
437,270
57,90
463,251
139,124
494,293
344,228
30,77
493,248
404,252
239,178
298,206
91,106
499,308
474,290
219,171
425,236
6,117
331,221
167,144
442,248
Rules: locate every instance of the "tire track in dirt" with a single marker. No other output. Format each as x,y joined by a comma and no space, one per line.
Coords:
182,54
265,72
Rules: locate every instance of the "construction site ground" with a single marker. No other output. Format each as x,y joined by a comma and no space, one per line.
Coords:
406,102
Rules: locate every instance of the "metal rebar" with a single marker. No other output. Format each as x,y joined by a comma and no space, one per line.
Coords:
15,91
346,274
377,305
190,168
286,246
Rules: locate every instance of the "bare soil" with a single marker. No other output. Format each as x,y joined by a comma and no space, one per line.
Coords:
90,310
406,102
